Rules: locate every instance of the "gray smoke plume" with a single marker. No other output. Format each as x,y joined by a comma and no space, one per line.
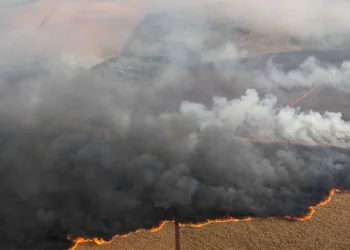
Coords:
322,22
149,136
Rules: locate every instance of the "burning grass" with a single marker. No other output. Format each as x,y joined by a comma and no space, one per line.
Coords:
80,240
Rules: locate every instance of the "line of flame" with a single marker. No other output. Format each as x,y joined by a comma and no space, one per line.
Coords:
311,212
290,142
221,220
306,217
100,241
304,96
97,241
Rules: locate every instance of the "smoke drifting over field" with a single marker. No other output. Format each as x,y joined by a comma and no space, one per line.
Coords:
139,140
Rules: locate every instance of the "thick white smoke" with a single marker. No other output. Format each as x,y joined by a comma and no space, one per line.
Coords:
262,118
309,74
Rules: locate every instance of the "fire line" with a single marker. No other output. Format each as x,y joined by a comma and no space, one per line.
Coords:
304,96
308,216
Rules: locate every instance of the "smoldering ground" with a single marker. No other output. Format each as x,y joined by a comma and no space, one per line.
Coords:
92,156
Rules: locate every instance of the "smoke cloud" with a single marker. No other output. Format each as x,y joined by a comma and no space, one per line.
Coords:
322,20
150,135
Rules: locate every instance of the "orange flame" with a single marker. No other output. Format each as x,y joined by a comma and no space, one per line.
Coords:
308,216
80,240
97,241
160,226
311,212
100,241
222,220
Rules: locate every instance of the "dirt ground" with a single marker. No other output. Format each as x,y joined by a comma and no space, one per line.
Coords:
327,229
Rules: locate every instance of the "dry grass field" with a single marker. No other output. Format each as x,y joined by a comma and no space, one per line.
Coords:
327,229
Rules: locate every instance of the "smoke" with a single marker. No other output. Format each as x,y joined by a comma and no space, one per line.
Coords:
285,123
78,159
149,135
318,20
310,73
97,30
